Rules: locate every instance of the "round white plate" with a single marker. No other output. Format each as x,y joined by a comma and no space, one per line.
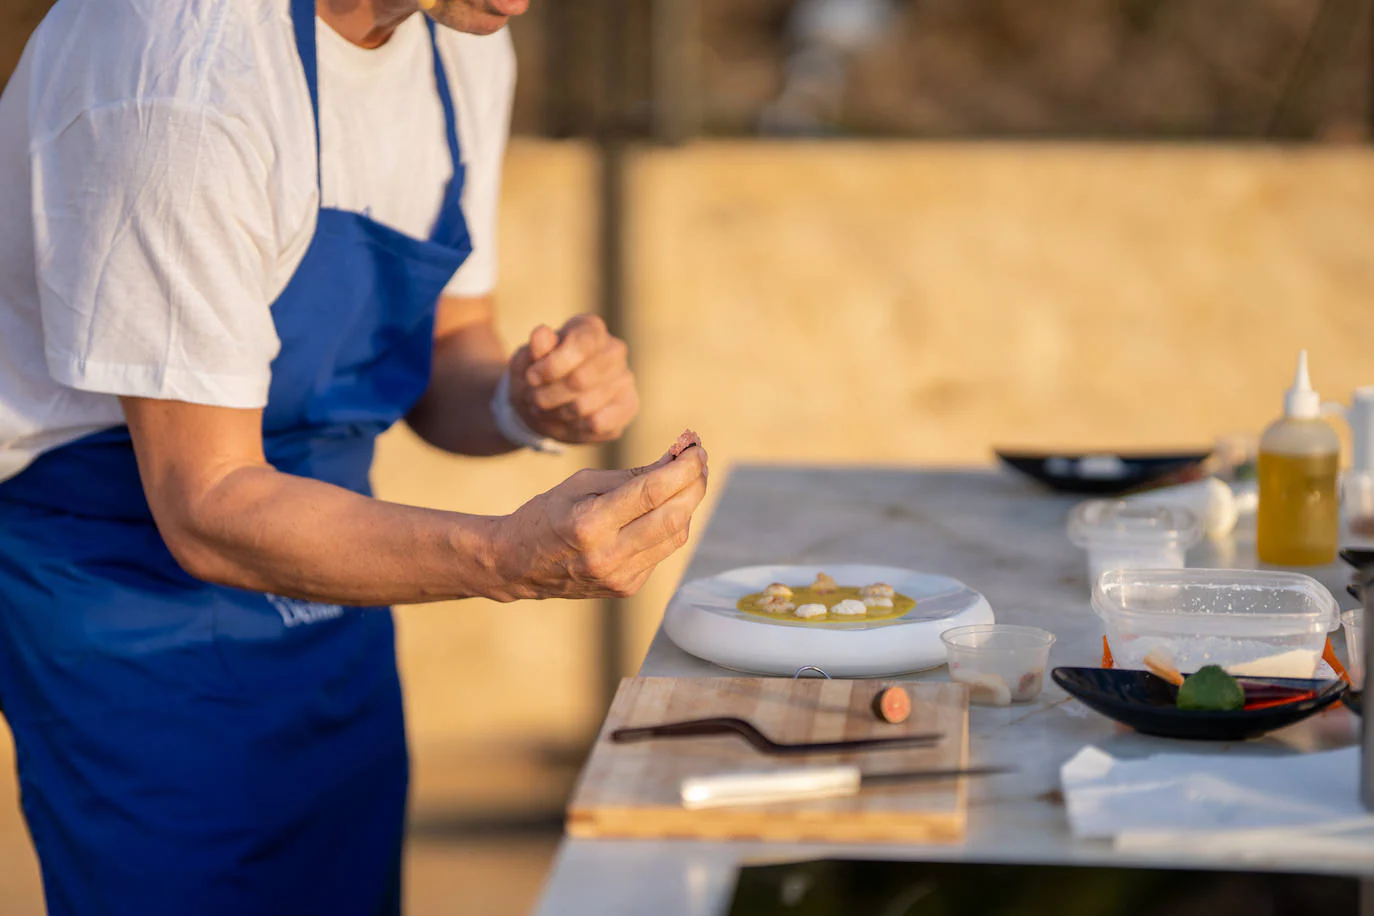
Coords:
703,619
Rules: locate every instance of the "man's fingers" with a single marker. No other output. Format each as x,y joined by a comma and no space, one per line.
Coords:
543,341
608,421
598,375
670,522
595,481
674,522
649,488
582,337
520,363
638,568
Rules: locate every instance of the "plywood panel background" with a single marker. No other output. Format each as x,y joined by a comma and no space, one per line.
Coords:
918,303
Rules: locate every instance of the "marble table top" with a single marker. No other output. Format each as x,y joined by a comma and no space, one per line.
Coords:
1003,536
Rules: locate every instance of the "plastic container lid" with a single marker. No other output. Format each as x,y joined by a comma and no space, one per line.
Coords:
1231,601
1120,523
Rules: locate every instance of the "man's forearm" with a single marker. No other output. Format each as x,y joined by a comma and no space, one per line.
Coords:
455,412
263,530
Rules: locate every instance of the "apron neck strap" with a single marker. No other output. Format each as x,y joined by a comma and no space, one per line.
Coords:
303,23
445,98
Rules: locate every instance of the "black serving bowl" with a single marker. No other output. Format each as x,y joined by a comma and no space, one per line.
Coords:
1358,557
1148,704
1122,473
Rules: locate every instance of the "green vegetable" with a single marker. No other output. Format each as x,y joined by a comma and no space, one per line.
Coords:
1211,689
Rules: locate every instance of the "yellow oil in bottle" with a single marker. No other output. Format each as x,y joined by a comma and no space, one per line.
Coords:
1299,511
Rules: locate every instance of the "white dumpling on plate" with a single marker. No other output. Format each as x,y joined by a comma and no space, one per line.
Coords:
850,608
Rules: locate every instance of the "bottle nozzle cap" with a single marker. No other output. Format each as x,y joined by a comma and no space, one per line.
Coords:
1301,401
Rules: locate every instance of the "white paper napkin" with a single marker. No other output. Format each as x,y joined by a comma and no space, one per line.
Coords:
1240,806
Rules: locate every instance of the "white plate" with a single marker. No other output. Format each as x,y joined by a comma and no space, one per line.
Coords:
703,620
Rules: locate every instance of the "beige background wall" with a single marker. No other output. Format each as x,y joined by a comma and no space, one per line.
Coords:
899,303
918,303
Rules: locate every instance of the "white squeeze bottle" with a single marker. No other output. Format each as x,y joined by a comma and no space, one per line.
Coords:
1299,462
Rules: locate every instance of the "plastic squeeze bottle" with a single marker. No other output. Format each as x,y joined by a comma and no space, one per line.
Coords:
1299,462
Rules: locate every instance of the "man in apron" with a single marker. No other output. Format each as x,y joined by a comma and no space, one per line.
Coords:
225,230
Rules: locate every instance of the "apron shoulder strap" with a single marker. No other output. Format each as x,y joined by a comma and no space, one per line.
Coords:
445,98
303,23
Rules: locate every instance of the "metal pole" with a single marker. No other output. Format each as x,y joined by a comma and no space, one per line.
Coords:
676,69
610,131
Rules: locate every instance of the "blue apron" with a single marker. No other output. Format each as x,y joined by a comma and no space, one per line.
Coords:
186,748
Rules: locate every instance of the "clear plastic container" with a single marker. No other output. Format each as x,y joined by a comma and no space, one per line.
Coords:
1000,664
1357,505
1353,622
1250,622
1119,534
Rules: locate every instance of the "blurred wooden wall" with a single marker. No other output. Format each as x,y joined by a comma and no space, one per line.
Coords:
912,303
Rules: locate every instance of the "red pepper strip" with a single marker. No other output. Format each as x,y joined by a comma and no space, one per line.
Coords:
1329,656
1280,701
1260,695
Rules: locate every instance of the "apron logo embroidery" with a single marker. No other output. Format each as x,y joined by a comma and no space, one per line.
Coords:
295,612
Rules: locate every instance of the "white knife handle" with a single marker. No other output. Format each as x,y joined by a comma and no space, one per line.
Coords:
771,786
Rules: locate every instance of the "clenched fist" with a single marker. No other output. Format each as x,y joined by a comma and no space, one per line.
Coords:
574,385
600,533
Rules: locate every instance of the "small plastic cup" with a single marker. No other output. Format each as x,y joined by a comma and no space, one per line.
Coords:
1353,623
1000,664
1118,534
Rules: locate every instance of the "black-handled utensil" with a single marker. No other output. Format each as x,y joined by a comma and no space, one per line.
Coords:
729,725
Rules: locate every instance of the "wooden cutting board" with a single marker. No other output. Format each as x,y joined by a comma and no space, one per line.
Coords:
631,790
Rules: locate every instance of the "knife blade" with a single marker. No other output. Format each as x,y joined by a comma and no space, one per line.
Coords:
806,783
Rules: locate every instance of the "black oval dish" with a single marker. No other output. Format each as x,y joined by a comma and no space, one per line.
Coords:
1147,704
1354,701
1060,471
1358,557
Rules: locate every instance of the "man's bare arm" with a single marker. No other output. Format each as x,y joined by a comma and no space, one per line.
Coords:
231,518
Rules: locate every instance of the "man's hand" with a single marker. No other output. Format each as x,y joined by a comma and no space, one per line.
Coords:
574,385
600,533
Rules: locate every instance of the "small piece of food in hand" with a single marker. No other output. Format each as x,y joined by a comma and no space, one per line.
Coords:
877,601
777,589
776,604
850,608
807,611
824,585
892,704
1211,689
877,590
684,442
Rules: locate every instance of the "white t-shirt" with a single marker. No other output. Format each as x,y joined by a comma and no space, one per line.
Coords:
158,188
